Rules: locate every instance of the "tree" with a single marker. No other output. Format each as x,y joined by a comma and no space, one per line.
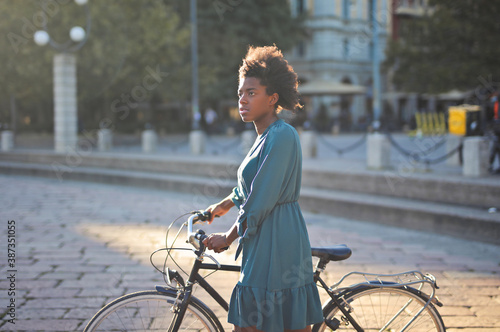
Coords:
22,67
129,43
225,30
229,27
455,46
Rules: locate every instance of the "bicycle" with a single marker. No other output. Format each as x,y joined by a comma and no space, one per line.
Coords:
381,302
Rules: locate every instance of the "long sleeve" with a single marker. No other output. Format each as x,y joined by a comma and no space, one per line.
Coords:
236,197
279,157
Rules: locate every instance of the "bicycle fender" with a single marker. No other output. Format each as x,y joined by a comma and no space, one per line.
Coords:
167,290
415,291
377,283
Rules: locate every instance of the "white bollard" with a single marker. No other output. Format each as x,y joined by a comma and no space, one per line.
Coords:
378,151
309,143
7,140
65,103
104,140
149,140
197,139
452,142
247,140
475,157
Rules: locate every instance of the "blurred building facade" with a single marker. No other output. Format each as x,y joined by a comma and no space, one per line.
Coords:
338,50
338,53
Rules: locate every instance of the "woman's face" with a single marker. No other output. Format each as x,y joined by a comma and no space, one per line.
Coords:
254,102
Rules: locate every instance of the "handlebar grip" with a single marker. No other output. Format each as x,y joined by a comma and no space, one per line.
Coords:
200,235
203,216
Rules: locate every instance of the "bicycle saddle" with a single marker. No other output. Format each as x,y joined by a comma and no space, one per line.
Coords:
335,253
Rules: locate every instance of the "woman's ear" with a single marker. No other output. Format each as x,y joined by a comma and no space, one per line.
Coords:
274,99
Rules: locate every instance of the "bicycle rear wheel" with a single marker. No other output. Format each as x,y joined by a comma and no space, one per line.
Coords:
151,311
382,309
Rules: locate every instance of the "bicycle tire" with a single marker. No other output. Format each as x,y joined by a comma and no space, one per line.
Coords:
373,307
150,311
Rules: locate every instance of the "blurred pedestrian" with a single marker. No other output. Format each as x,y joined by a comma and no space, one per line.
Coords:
495,126
210,120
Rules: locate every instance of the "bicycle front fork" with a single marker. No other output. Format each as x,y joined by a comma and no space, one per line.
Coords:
179,308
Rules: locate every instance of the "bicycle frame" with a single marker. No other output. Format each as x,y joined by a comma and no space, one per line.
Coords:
320,268
195,239
196,278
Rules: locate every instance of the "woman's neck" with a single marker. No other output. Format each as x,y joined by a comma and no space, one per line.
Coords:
262,124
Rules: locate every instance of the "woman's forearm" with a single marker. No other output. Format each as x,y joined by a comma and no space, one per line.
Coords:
232,234
227,202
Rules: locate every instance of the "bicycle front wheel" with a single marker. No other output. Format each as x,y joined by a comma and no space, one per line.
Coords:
151,311
382,309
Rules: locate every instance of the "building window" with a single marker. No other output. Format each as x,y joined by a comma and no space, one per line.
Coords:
370,10
346,9
301,49
345,48
301,7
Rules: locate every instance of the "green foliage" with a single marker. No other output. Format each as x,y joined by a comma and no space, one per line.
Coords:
226,32
128,41
455,47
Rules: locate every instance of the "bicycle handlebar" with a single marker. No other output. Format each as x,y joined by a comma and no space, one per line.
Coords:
196,238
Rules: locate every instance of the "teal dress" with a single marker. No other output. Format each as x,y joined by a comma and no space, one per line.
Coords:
276,290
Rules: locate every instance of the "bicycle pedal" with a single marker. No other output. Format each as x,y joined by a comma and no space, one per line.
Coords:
334,323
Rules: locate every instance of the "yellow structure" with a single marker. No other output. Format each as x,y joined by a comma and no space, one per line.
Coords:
429,124
457,118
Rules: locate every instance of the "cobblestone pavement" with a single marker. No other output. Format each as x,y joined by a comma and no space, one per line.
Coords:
80,245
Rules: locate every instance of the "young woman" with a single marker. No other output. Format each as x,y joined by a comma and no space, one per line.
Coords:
276,291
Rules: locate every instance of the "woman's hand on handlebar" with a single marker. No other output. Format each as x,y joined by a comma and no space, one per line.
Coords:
217,242
219,209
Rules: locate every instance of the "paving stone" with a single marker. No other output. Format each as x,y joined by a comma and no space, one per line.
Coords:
128,269
101,277
490,310
41,313
65,303
60,276
484,290
79,268
477,322
19,296
38,283
448,310
98,291
53,292
43,325
472,329
80,313
89,284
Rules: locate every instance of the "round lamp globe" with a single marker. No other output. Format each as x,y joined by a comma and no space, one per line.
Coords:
77,34
41,37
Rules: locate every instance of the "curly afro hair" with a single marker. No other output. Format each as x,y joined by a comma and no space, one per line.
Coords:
270,67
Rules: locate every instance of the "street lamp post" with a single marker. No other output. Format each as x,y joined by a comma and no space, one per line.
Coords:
65,83
378,146
376,101
197,136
